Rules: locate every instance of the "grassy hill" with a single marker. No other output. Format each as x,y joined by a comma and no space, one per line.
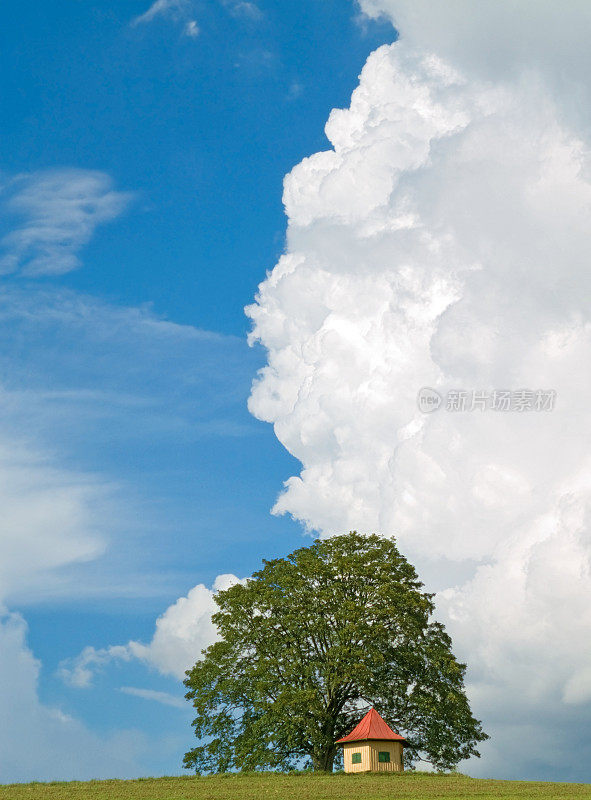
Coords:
297,787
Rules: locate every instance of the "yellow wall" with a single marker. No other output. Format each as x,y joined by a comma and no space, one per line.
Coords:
369,756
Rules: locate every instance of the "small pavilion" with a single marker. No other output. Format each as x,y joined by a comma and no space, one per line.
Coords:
372,746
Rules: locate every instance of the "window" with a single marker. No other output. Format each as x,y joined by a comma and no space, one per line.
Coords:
384,757
356,758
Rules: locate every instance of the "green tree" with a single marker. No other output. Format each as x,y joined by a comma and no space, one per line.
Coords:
313,640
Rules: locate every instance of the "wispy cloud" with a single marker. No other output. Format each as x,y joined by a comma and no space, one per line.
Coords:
79,672
244,9
295,91
57,213
159,9
82,378
49,515
192,29
180,10
41,741
165,698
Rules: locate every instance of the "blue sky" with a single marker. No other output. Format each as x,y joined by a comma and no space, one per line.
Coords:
141,180
434,233
202,130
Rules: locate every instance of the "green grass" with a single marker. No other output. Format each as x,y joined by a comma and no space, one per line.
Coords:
263,786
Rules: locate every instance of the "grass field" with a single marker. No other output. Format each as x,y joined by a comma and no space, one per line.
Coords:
297,787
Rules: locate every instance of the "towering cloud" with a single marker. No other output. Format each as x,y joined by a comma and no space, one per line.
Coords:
443,242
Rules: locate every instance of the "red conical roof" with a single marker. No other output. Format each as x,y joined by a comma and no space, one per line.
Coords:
372,726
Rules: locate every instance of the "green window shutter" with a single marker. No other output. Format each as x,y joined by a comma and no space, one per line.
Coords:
384,757
356,758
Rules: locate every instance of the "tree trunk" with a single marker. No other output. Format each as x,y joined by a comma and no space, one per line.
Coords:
323,760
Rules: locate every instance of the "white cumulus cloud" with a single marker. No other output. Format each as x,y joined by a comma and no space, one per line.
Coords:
500,39
182,632
443,241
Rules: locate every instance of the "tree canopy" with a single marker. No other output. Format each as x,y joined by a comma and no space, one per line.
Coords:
309,644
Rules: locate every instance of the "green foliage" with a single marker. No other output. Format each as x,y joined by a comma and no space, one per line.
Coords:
309,644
